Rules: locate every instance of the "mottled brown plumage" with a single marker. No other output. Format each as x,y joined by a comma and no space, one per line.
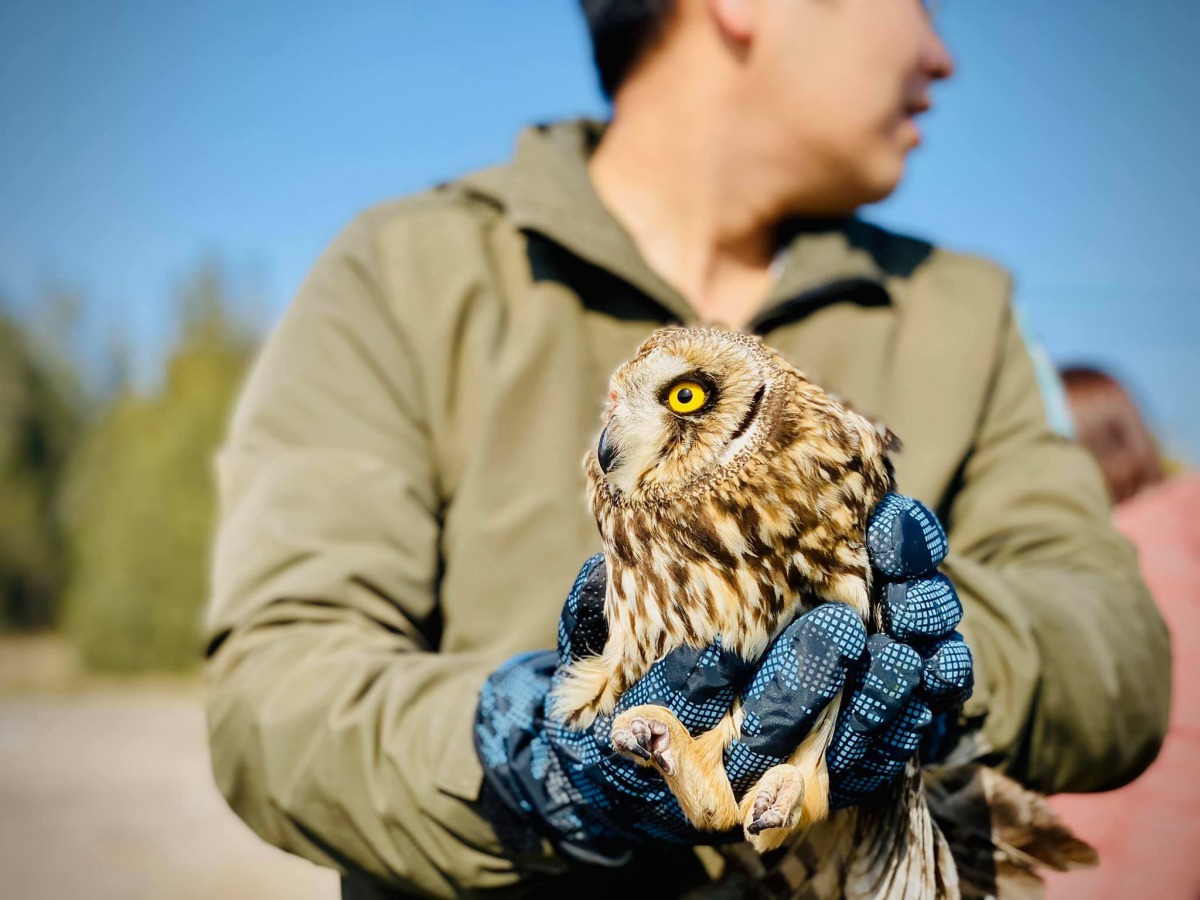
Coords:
730,519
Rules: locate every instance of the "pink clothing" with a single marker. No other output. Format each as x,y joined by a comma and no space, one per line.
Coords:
1148,833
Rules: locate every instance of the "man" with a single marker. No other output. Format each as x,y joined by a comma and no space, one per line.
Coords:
402,499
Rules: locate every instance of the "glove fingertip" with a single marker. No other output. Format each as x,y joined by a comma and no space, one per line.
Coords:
846,750
594,574
867,778
892,675
894,660
948,675
905,538
921,608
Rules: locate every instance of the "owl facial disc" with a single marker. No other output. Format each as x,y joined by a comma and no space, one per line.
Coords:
688,407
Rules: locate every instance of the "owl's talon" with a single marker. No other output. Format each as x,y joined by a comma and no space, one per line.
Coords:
777,802
623,741
646,739
768,818
653,736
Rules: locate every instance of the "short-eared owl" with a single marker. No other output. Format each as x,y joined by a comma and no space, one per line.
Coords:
731,493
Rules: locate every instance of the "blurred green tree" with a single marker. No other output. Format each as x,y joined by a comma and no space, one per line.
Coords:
39,420
139,498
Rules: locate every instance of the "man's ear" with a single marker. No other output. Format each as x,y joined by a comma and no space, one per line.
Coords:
737,19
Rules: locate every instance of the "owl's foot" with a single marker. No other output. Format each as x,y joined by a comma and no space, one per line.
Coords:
776,808
692,767
644,735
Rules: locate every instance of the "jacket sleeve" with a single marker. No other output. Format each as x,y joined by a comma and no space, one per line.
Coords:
1072,655
336,731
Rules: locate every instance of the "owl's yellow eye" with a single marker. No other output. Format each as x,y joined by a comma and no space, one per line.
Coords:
686,397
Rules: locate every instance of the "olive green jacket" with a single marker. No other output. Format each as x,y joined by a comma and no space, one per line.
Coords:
402,505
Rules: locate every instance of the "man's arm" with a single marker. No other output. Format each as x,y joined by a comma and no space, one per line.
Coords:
1072,656
336,732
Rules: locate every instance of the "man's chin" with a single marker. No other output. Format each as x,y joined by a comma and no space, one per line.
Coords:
881,182
862,194
859,185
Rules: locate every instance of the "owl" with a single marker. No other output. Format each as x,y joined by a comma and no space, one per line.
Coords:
731,493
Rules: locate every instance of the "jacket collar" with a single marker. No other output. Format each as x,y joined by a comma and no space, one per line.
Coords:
548,191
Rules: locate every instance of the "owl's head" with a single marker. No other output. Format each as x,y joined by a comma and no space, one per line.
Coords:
692,404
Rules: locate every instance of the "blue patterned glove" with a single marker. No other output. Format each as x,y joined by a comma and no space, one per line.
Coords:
917,669
593,803
896,681
570,785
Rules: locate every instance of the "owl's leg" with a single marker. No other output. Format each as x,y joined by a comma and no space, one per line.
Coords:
772,810
693,768
793,795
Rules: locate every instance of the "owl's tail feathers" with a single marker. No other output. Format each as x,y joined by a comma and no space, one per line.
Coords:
1000,833
898,851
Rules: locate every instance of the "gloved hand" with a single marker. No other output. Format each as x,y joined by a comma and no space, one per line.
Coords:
592,803
917,666
571,786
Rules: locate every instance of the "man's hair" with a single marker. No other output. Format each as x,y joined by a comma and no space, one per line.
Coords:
623,30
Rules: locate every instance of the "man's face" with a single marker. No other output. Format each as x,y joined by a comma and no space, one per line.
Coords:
844,80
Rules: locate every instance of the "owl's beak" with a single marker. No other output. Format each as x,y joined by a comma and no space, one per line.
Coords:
606,453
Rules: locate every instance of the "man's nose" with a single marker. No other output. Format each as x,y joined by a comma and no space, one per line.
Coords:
936,60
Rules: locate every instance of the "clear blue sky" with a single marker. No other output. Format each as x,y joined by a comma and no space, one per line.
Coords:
141,138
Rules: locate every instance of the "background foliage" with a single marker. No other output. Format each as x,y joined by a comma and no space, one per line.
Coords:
38,424
106,505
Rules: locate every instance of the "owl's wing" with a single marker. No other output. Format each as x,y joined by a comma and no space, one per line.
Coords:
1001,833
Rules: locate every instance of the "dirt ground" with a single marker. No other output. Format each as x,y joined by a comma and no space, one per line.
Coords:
105,792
